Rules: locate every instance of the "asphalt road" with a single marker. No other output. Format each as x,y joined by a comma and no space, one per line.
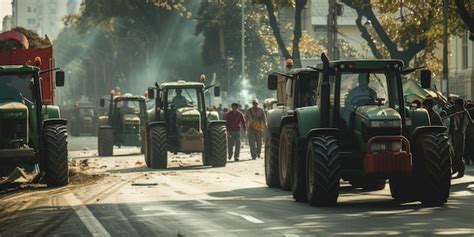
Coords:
191,200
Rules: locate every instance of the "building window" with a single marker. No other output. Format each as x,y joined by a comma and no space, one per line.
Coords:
29,9
464,51
31,21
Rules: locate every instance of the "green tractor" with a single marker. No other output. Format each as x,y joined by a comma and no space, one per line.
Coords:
29,135
83,120
179,122
360,130
294,89
124,123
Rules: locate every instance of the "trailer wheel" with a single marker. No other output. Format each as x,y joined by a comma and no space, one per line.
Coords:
323,171
106,141
217,157
158,148
271,160
298,171
432,165
285,156
55,156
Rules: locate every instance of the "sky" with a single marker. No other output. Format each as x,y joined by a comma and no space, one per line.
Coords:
5,8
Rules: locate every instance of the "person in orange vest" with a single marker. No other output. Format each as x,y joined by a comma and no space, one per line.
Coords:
257,121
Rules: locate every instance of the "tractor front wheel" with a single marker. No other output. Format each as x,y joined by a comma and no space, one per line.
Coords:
106,141
271,160
217,153
158,148
55,156
432,162
298,171
323,171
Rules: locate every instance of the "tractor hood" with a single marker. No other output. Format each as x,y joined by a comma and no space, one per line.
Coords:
377,113
131,119
188,114
13,110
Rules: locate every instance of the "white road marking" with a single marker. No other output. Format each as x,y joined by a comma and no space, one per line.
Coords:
204,202
86,216
291,235
247,217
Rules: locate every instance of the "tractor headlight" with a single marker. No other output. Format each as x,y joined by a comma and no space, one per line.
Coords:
387,146
382,124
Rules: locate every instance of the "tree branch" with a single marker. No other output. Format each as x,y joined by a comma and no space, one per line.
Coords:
276,28
465,17
300,4
365,35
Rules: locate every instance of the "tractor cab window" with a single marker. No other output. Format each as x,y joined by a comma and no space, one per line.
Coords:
16,88
86,112
182,97
128,107
359,89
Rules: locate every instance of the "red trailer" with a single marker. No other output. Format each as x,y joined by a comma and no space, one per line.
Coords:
25,55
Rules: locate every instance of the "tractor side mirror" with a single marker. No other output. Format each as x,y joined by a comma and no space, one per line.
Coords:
217,91
151,93
102,102
425,79
59,78
272,82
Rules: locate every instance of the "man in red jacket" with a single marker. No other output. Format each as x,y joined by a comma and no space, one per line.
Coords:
233,120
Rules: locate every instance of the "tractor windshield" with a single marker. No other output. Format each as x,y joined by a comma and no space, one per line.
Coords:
16,88
129,106
182,97
86,112
359,89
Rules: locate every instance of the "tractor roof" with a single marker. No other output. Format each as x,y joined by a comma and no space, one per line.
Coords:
379,64
18,69
299,70
129,97
181,84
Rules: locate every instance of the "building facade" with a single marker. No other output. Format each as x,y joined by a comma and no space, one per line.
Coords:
461,67
7,23
44,17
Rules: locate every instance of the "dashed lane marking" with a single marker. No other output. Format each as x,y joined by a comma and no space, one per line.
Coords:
86,216
247,217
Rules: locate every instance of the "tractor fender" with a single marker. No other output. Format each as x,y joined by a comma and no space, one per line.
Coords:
51,112
426,129
157,123
212,115
274,119
324,132
307,119
54,121
103,121
287,119
216,122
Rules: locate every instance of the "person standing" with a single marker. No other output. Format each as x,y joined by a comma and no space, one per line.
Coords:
469,143
234,119
435,119
256,126
457,131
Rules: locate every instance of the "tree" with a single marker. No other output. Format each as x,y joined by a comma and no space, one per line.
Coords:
466,16
409,30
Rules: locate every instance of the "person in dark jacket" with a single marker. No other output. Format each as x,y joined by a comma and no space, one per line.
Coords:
469,143
234,120
435,119
457,133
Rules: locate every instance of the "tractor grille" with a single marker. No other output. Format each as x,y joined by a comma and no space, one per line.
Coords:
13,129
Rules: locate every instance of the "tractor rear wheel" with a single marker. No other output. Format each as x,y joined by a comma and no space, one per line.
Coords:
55,156
217,157
106,141
323,171
298,171
432,162
158,148
271,160
285,156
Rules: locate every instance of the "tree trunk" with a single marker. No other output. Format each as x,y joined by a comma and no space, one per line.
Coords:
276,29
300,4
466,17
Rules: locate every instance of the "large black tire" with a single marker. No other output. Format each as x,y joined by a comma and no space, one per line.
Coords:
432,163
403,189
158,148
218,150
55,156
271,160
285,156
298,170
323,171
106,141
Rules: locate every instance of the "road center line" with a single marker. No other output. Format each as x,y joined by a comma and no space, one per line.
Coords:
86,216
247,217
